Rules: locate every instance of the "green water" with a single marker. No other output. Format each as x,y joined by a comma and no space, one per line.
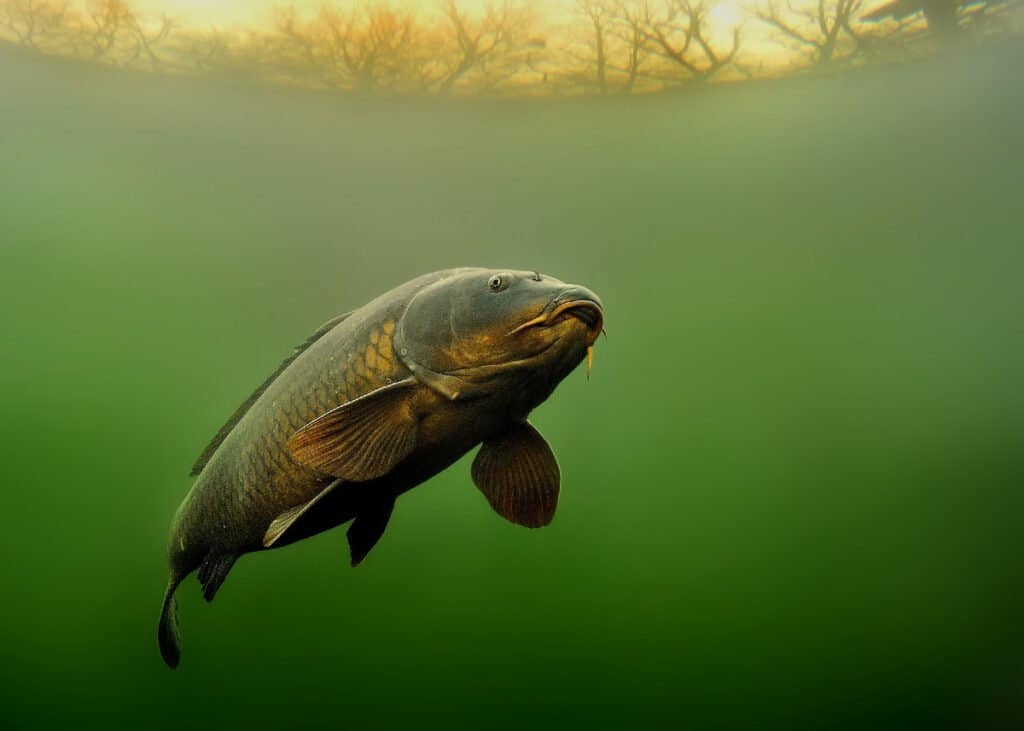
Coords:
791,491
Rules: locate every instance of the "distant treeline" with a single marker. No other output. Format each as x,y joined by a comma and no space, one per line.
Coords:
610,46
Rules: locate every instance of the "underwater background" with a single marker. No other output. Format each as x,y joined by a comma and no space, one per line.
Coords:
792,490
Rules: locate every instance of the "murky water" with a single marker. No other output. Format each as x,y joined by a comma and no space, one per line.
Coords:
791,491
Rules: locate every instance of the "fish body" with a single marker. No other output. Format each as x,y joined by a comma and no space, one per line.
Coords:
375,403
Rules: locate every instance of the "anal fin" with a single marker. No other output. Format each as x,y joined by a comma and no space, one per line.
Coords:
213,571
368,527
285,520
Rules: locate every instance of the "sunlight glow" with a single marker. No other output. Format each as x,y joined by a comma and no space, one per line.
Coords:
725,16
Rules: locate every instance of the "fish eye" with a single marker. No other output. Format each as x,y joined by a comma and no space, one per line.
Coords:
497,283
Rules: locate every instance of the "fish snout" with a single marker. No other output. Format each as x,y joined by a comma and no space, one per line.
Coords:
581,303
572,302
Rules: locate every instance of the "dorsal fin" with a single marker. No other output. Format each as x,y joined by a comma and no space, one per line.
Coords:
244,408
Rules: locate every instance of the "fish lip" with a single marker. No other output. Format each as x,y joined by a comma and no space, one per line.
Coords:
585,309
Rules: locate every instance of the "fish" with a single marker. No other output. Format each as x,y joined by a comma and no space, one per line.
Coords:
378,401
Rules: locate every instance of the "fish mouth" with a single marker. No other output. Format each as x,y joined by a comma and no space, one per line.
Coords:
584,309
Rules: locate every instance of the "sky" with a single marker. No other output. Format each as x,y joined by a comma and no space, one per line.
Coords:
217,12
257,12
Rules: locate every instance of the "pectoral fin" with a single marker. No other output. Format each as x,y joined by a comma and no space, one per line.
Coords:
363,439
368,527
518,474
285,520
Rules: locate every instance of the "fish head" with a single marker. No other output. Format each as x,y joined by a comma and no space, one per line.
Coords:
481,329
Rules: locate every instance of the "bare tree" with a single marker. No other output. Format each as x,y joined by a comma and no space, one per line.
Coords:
35,23
826,29
210,52
829,32
109,30
105,26
148,40
613,44
301,50
372,48
365,49
493,44
598,16
678,33
630,29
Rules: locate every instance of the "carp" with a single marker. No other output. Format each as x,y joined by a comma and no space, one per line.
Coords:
376,402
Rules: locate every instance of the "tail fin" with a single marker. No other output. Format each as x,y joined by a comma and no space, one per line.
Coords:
167,634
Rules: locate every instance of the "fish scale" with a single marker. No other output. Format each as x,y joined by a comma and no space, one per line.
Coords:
278,472
264,471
